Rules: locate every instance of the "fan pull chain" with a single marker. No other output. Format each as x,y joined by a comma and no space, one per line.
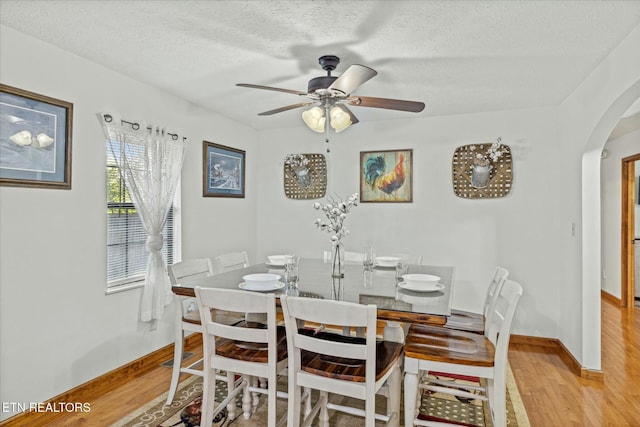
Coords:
327,141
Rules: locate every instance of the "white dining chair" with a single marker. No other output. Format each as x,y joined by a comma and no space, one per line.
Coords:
333,363
187,319
349,256
436,349
408,258
230,261
252,350
475,322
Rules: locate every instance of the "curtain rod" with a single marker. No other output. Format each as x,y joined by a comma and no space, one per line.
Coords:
136,126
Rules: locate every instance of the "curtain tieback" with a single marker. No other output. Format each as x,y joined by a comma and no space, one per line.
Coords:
154,243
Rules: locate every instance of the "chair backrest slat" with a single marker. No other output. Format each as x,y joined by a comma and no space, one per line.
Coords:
189,270
337,349
235,300
230,261
238,333
494,288
500,319
336,313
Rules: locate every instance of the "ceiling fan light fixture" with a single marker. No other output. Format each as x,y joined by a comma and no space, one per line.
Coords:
331,95
340,120
314,119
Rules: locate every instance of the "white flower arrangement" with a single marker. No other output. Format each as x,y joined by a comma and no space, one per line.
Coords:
336,211
296,160
494,152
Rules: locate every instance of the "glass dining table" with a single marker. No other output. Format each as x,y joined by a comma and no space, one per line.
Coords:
377,286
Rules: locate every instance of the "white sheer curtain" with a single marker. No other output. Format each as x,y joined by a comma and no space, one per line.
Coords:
149,160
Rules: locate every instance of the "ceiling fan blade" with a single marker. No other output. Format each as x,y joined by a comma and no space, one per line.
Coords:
352,78
288,107
277,89
390,104
354,119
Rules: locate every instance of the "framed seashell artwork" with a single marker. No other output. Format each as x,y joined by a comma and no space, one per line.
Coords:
35,140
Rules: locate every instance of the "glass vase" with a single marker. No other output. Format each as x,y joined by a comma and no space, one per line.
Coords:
337,259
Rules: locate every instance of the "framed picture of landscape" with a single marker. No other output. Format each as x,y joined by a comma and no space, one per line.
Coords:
223,171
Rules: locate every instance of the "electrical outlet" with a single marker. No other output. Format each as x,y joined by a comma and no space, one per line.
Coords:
189,305
192,307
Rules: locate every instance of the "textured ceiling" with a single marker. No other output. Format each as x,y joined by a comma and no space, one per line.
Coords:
456,56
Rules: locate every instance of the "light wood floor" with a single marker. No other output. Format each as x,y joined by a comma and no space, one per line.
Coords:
552,395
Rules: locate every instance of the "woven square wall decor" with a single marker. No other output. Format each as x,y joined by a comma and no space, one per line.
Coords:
500,175
308,182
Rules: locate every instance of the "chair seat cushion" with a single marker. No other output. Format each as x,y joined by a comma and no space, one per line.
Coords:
387,354
448,345
465,321
252,352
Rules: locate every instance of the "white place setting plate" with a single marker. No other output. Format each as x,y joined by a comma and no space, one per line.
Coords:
386,261
261,288
276,261
416,298
421,287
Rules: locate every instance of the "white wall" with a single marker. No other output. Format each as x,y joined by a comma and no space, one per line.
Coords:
58,329
611,193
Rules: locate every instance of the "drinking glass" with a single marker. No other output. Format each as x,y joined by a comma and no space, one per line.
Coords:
401,269
291,270
367,260
368,277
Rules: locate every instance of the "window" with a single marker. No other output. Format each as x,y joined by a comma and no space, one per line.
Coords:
126,238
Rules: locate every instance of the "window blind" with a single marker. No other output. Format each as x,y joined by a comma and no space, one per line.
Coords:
126,237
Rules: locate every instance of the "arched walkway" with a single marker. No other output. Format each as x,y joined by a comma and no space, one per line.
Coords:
591,233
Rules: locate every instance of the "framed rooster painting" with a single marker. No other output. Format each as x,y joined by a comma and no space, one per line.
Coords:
386,176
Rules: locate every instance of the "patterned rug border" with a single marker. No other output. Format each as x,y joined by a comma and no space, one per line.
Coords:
157,406
516,400
186,390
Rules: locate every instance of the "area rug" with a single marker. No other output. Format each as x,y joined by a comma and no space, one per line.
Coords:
184,411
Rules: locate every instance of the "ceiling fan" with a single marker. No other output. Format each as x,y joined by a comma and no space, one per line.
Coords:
330,96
